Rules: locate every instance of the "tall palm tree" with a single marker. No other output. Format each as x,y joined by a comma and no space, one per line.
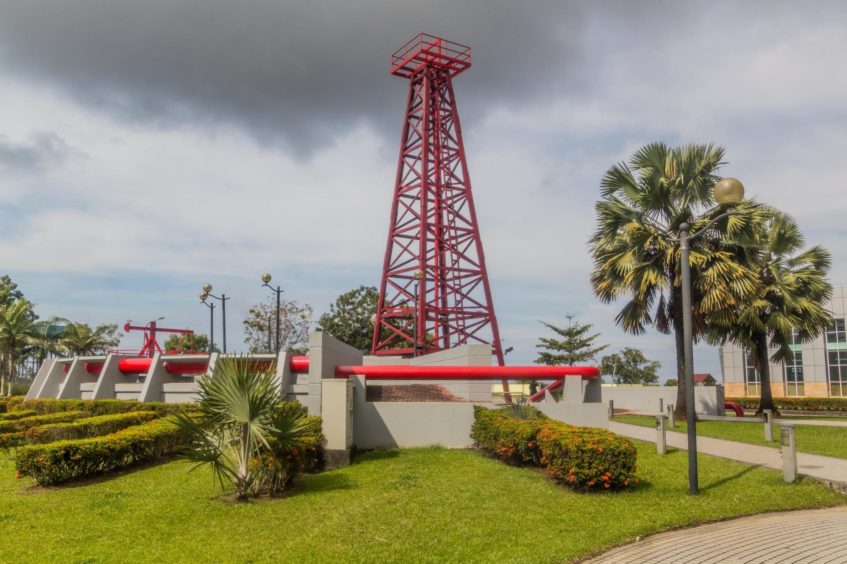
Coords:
17,330
636,250
791,288
80,339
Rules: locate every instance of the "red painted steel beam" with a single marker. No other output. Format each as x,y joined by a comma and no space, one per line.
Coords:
548,388
467,372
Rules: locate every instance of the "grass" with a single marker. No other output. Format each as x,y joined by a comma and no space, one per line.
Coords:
827,441
424,505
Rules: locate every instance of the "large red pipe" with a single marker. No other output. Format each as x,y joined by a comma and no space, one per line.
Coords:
378,372
298,364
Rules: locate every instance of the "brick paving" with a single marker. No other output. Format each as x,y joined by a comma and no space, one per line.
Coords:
813,536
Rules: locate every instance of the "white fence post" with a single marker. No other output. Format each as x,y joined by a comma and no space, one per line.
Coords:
768,425
661,439
788,447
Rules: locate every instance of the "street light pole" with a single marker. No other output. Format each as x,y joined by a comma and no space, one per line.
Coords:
266,278
688,363
727,192
211,307
207,293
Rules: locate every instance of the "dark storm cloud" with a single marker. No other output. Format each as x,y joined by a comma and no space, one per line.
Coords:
44,150
292,71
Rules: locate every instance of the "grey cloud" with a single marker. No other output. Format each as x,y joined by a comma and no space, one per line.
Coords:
292,71
43,151
298,72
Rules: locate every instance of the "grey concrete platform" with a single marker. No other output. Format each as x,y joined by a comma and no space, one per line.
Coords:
817,535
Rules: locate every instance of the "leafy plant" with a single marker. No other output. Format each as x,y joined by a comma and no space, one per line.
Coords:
237,423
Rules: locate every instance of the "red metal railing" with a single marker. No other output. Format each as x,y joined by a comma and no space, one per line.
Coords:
425,49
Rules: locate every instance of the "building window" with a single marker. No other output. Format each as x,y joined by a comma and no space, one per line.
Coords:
794,368
836,358
752,381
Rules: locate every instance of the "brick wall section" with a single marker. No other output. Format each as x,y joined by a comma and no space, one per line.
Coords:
410,393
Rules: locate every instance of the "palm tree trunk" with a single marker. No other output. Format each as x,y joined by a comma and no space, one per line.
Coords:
766,399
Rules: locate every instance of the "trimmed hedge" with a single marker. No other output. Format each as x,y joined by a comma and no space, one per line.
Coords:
38,420
67,460
100,407
586,458
582,458
796,404
512,440
79,429
17,415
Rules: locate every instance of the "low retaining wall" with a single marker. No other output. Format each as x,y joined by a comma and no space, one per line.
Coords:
708,400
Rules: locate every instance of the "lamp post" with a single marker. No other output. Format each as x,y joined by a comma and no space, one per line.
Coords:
418,274
211,307
207,293
266,278
727,192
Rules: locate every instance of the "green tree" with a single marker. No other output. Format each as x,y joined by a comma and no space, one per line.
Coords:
575,346
672,382
187,342
630,366
236,420
350,318
79,339
788,300
17,332
9,292
635,246
294,320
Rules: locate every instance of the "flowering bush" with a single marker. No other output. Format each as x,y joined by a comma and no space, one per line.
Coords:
583,458
499,433
66,460
586,458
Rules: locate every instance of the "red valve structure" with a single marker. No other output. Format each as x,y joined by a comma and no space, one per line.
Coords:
151,346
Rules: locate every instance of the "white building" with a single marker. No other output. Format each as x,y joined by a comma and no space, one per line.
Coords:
819,367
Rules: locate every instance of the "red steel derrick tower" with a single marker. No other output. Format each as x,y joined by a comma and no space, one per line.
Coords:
434,293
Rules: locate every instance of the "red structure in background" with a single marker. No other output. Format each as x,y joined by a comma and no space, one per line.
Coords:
434,293
151,346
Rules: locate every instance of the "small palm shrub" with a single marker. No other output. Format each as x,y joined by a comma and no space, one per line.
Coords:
240,431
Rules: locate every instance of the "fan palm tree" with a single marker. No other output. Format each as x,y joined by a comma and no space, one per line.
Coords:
237,420
791,288
636,250
17,331
79,339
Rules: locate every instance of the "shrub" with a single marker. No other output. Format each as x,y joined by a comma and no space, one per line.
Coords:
79,429
275,467
17,415
586,458
499,433
796,404
67,460
38,420
100,407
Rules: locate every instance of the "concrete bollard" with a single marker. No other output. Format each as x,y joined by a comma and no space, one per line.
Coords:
788,447
661,405
768,425
661,437
611,409
670,415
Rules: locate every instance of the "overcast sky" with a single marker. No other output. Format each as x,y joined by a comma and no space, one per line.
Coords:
148,147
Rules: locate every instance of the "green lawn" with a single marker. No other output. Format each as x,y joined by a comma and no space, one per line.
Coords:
429,505
828,441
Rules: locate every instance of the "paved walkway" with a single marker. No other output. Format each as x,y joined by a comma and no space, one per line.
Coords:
824,468
817,535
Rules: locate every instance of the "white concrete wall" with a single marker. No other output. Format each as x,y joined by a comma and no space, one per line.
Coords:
707,399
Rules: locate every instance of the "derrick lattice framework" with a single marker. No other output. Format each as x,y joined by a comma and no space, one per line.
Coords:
434,293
